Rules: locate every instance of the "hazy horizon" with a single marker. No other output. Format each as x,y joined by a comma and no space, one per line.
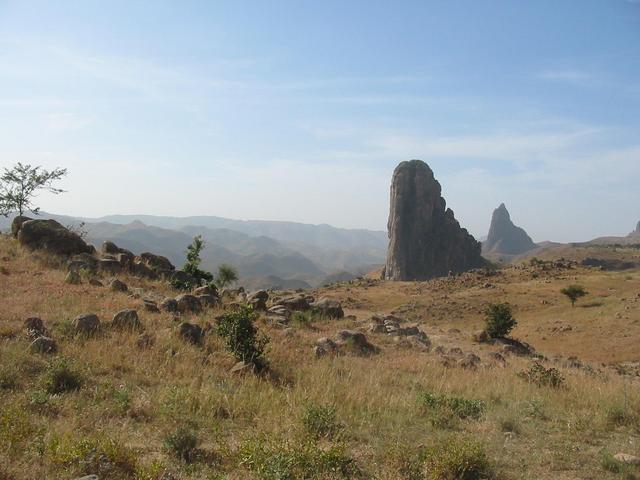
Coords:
300,111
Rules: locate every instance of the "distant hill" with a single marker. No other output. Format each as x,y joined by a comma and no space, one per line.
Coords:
291,255
504,237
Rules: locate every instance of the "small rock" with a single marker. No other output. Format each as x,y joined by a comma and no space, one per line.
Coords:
355,339
73,278
188,303
207,300
626,458
118,286
498,359
88,477
126,320
470,361
43,345
109,265
258,300
329,307
169,305
86,323
95,282
191,332
206,290
481,336
150,306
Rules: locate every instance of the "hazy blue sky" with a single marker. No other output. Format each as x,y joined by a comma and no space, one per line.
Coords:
300,110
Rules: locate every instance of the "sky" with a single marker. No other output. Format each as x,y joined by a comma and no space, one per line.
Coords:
300,110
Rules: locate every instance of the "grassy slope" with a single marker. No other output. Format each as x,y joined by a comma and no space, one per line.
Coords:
132,398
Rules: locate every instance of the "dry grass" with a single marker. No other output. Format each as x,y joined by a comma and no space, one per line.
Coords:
131,400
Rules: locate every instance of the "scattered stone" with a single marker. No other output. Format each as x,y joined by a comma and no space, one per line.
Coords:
470,361
258,300
626,458
118,286
88,477
425,239
297,303
207,300
95,282
328,307
157,263
169,305
43,345
206,290
110,248
126,320
150,305
191,333
87,323
324,346
355,340
188,303
481,336
498,359
109,265
34,327
73,278
49,235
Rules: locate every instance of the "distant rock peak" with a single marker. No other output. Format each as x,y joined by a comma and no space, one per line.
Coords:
425,239
505,237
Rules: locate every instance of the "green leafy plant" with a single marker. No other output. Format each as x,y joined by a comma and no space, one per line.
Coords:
59,378
182,443
227,275
574,293
320,421
192,266
18,185
238,329
499,320
461,407
457,458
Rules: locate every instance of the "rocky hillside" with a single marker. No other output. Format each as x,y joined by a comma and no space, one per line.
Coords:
112,373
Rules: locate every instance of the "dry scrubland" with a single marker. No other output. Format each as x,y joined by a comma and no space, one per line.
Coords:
335,417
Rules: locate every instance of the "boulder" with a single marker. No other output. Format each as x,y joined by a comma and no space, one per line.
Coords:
328,307
627,459
206,290
16,224
142,270
157,263
324,346
118,286
150,305
207,300
43,345
191,333
504,237
470,361
109,265
180,277
52,237
110,248
169,305
188,303
126,320
425,239
355,340
258,300
296,303
86,323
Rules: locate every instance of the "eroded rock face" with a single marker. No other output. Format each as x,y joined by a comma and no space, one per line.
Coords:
636,232
504,236
425,239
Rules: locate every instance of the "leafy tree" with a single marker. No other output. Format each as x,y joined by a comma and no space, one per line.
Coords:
574,292
499,320
19,185
226,275
238,330
192,266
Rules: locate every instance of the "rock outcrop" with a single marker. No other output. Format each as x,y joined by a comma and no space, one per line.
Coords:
425,239
636,232
504,236
49,235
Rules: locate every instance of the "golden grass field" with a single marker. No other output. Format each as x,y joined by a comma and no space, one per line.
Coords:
346,416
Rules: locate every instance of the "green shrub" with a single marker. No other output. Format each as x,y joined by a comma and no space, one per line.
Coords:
457,459
238,330
461,407
182,443
499,320
104,457
320,421
573,293
59,378
296,461
543,377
